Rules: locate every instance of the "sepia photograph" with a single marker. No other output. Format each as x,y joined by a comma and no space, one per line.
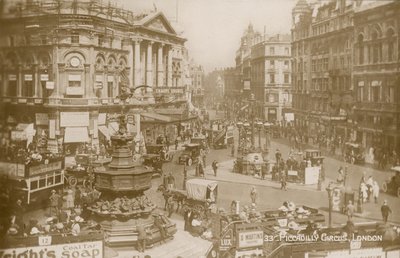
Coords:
200,128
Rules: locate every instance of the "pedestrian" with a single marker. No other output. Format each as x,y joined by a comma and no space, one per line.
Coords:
18,212
350,209
69,199
170,205
369,184
171,181
253,194
160,225
187,215
233,150
278,155
142,235
385,210
176,143
375,191
54,202
283,180
340,178
215,167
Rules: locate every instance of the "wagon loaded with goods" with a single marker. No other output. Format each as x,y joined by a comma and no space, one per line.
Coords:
201,195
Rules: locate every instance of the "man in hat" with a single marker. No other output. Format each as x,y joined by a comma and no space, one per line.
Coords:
170,181
159,223
54,203
142,235
385,210
19,211
253,194
75,227
215,167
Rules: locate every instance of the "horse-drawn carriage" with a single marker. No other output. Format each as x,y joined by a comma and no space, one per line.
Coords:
200,196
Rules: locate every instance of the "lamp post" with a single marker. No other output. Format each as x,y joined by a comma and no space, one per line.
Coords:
267,128
246,127
259,125
240,126
329,189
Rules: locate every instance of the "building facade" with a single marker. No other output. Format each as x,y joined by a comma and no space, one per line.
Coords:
270,77
376,76
197,85
345,68
63,66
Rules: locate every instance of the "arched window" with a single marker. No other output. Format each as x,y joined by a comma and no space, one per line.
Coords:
390,42
360,42
376,48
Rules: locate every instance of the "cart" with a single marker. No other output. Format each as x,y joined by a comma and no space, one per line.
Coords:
201,196
353,153
190,154
315,156
82,172
392,185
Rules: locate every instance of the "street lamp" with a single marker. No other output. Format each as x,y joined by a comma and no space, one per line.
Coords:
240,126
259,125
267,128
246,126
329,189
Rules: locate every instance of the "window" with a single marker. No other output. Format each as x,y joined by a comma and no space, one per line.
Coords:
286,64
375,91
43,39
271,78
110,87
28,89
376,48
286,78
326,64
272,51
12,85
391,92
42,182
390,42
100,40
313,65
271,63
75,38
360,49
34,185
286,51
74,81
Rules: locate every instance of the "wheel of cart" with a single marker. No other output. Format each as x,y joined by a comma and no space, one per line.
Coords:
72,180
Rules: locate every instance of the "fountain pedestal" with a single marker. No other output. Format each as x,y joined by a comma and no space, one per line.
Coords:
123,204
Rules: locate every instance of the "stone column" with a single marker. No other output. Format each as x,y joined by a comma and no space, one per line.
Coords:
88,91
149,65
36,81
138,71
169,67
160,67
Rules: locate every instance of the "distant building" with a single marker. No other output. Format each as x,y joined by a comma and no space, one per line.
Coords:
270,77
64,63
197,86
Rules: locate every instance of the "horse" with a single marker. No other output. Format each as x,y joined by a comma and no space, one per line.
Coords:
178,196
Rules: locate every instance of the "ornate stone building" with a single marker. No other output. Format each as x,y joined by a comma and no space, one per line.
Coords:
63,65
376,75
346,68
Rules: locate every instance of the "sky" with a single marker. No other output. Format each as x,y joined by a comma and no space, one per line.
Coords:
213,28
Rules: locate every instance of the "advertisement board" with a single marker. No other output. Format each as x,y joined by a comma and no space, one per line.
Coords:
311,175
74,119
44,168
360,253
84,249
250,238
12,169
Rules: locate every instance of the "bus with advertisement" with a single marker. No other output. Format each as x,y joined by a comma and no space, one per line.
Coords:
32,182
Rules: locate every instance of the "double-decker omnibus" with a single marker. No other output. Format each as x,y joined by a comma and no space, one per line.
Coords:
32,183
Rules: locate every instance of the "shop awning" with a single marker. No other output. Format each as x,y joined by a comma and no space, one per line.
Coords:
104,130
76,134
157,117
113,128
